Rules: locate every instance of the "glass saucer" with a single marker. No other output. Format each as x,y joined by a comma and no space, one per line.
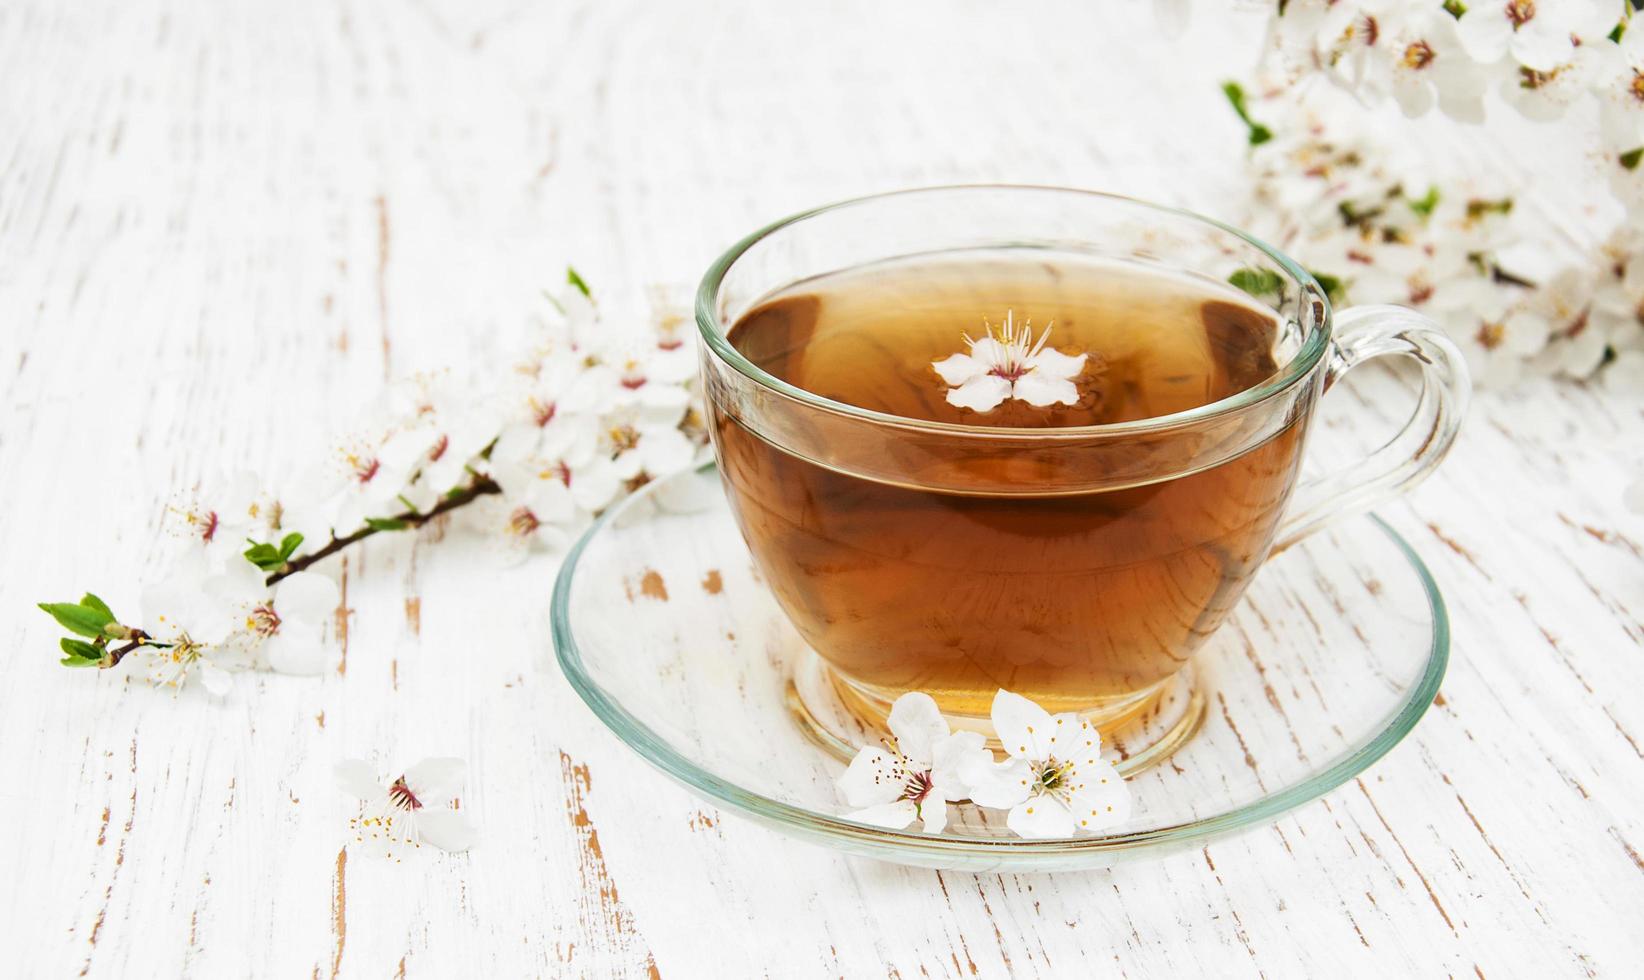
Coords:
662,626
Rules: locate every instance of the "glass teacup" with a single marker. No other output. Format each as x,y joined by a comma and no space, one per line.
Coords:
1080,565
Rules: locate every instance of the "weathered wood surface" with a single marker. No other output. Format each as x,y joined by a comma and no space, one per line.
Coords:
223,225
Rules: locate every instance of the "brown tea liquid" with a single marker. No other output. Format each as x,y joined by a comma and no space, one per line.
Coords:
1077,601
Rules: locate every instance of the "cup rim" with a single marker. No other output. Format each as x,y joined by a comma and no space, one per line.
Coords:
1312,350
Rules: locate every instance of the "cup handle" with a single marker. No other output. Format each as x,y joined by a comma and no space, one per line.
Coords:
1366,332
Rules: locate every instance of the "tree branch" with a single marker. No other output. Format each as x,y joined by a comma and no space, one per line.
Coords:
482,486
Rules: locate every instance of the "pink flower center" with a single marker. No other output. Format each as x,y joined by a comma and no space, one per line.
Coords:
264,621
440,446
522,522
543,414
208,526
1521,12
918,786
1418,55
564,472
367,470
401,796
1010,371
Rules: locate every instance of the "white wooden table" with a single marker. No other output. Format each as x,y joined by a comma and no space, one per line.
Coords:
223,225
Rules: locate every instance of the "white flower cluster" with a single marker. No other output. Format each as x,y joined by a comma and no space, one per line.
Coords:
591,415
1053,780
1360,215
1540,55
1376,227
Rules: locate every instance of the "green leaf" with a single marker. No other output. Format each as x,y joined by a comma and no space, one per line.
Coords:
289,545
1631,158
1257,282
80,653
92,602
264,555
76,618
1455,8
386,524
576,280
1259,134
1425,206
1617,31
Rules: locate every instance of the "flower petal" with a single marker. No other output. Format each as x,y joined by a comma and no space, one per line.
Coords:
306,596
892,816
874,777
1098,796
1022,726
1542,44
447,830
215,680
1485,32
1052,363
996,784
1040,390
356,777
1040,818
980,394
959,368
918,725
935,812
296,649
664,451
435,781
1412,93
1073,739
951,757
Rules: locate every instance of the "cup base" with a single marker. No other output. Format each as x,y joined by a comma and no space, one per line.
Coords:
1138,732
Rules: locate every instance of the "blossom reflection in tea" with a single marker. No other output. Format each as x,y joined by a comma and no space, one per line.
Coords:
1079,601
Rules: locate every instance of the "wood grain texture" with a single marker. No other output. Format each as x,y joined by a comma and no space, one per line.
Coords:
325,194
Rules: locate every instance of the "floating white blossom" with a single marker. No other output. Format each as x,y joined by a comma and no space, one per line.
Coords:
1007,362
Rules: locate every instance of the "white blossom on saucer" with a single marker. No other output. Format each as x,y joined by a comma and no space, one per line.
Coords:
1055,781
287,626
411,809
1007,362
916,779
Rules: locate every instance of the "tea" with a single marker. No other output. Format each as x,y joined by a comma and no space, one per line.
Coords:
1081,600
